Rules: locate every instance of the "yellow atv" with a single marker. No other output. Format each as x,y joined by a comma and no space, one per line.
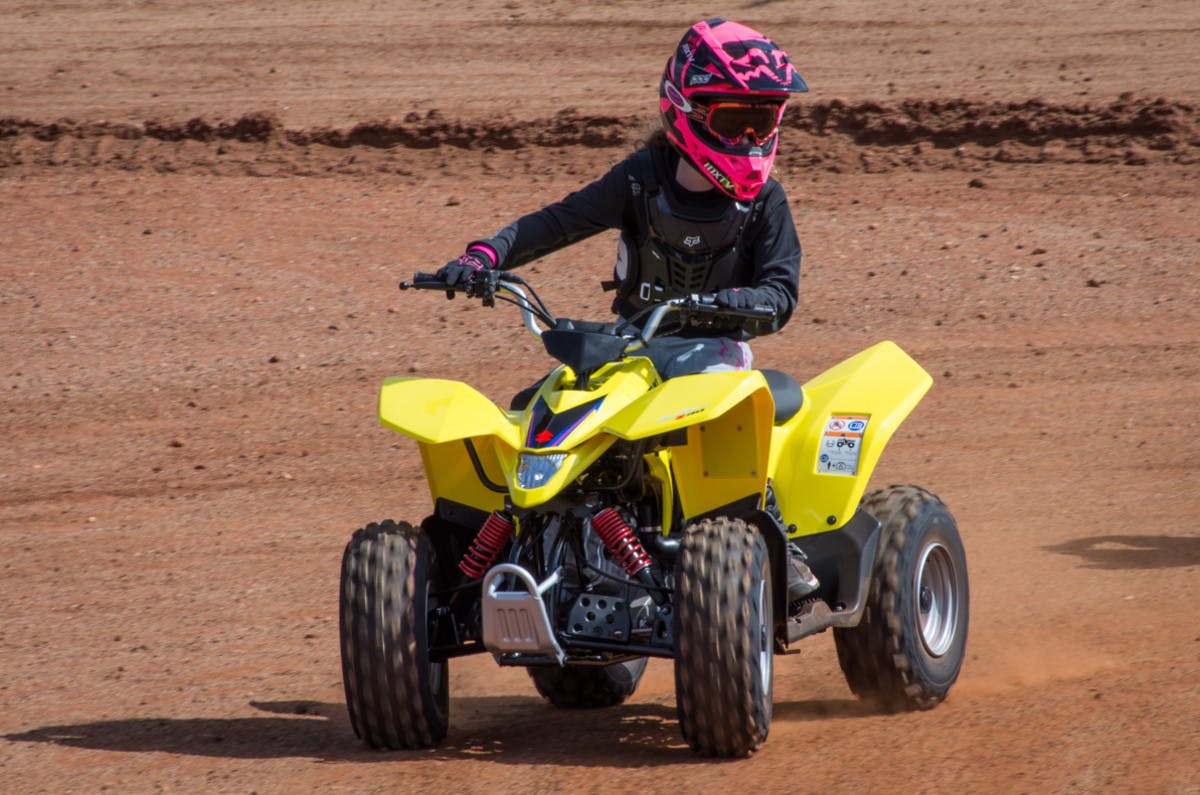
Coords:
611,516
